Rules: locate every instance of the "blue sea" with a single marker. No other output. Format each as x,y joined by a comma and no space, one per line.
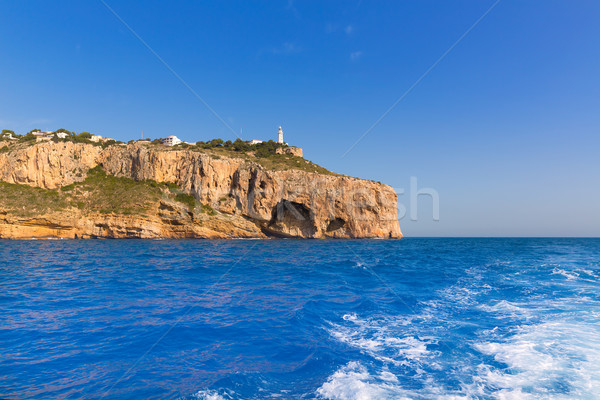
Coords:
300,319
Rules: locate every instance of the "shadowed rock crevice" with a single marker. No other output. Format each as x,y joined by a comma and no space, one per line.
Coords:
335,224
290,219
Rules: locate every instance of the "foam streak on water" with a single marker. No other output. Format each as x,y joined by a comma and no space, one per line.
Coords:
455,319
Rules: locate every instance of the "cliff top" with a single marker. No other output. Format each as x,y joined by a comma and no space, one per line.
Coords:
266,154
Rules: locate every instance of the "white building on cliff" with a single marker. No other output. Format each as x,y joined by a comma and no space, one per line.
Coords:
293,150
171,140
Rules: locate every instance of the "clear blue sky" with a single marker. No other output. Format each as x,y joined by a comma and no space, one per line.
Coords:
505,128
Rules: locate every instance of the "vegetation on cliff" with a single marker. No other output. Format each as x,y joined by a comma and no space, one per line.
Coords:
264,153
99,192
106,194
27,201
29,138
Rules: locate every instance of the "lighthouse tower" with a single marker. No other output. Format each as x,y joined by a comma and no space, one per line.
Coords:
280,136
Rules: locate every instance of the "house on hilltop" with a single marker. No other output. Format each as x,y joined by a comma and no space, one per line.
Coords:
42,136
7,136
171,140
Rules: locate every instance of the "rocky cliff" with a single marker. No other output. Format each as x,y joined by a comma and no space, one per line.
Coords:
248,199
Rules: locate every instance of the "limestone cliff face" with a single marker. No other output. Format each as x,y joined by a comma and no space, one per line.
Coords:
170,220
287,203
48,165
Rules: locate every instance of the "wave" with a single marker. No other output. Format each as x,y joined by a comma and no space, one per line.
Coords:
555,358
504,308
569,275
210,395
381,339
579,274
353,381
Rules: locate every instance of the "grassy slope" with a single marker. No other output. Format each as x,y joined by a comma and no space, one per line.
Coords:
105,194
26,201
99,192
276,162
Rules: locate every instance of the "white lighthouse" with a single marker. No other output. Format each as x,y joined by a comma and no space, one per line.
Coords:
280,136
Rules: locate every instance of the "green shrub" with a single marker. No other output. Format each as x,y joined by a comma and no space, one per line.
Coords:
108,143
240,145
28,137
171,186
186,199
81,139
206,208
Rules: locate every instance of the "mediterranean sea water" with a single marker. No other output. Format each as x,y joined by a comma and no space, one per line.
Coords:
300,319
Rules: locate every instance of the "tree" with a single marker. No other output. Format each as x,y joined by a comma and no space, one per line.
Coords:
107,143
216,142
85,135
28,137
240,145
156,141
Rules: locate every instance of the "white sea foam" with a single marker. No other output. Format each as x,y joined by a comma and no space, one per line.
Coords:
591,273
580,274
354,382
350,317
209,395
557,358
506,308
384,339
569,275
551,360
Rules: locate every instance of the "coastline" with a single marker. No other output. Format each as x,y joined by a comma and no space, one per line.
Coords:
78,190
